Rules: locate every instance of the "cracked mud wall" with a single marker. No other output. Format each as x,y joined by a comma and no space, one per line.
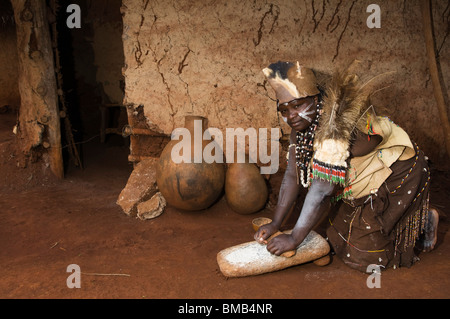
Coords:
205,58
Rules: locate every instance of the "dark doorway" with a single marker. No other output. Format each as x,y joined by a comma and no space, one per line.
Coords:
91,59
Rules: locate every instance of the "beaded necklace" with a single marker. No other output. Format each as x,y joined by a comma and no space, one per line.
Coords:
304,149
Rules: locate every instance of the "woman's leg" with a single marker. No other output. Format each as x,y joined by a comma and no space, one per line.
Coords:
430,231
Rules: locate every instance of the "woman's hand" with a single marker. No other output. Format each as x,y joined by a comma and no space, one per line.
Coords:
281,244
264,232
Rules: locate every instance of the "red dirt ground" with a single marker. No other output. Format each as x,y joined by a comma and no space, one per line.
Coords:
46,225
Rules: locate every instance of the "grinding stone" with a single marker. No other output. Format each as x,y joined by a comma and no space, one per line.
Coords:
253,258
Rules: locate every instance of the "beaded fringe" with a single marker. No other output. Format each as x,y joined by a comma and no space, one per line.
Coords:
411,227
331,173
345,193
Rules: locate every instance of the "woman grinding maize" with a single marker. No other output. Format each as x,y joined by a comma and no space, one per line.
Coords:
360,168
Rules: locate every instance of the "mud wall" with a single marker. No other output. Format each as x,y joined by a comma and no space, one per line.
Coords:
205,58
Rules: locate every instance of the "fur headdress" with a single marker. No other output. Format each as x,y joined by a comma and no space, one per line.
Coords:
291,81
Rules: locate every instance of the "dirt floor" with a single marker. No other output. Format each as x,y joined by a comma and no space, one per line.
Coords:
47,225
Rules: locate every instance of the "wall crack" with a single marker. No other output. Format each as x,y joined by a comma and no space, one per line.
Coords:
181,65
315,13
271,12
343,31
331,28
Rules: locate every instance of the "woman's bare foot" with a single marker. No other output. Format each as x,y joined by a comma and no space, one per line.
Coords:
430,233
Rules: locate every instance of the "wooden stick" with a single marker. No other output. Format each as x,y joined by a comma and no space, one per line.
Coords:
97,274
432,65
73,151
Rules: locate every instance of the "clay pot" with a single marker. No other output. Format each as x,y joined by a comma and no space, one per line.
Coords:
189,186
246,190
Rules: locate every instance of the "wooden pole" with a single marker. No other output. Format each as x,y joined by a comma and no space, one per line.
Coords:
432,65
39,121
73,151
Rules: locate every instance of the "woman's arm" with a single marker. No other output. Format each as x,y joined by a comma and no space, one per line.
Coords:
316,204
317,201
289,191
